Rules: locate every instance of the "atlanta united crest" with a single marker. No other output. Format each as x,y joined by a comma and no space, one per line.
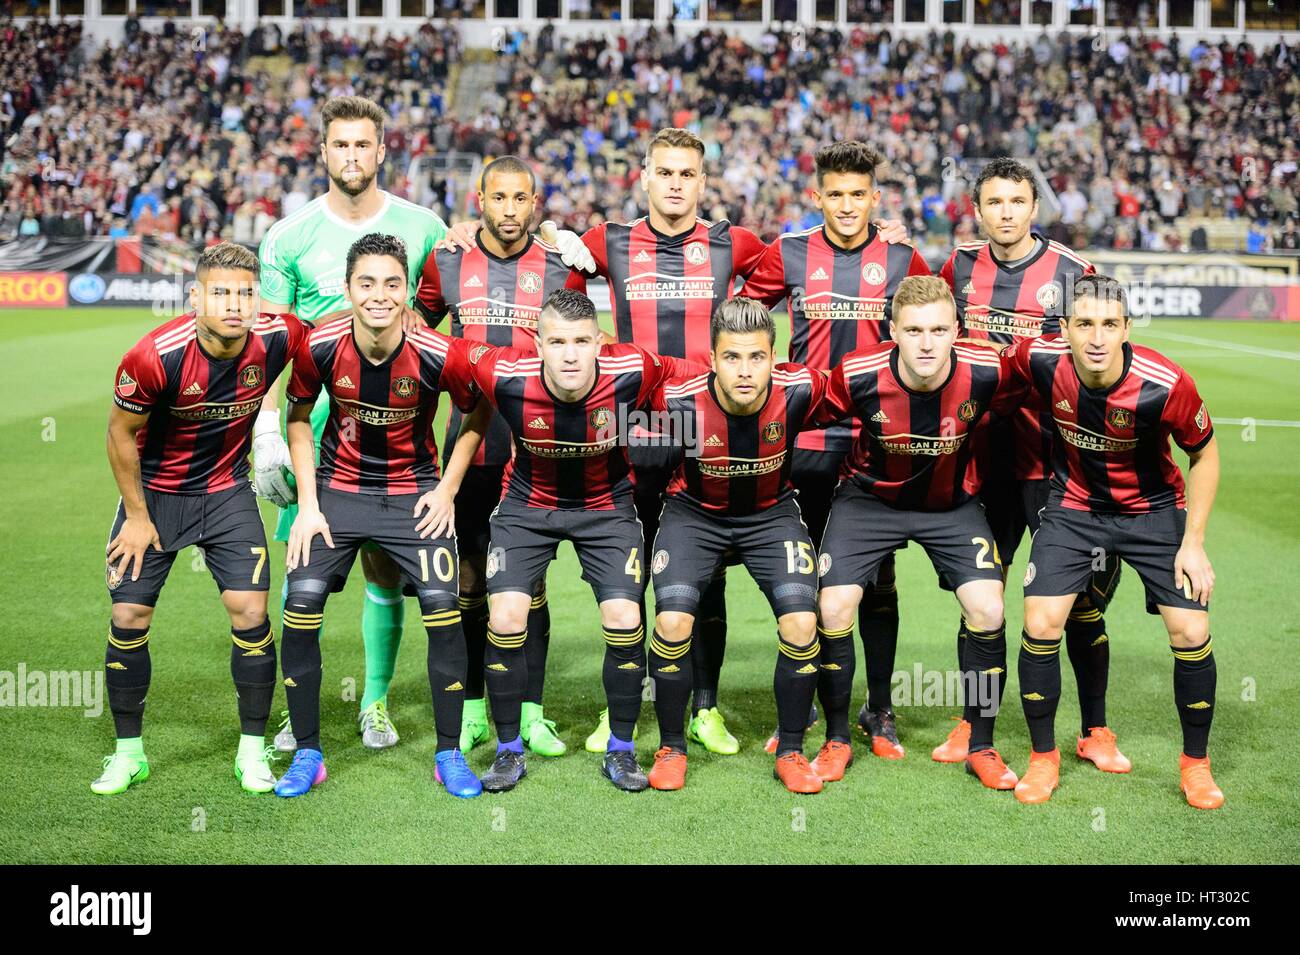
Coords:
477,353
661,562
530,283
1120,418
773,432
696,253
874,273
968,409
404,387
823,565
251,376
1048,295
600,418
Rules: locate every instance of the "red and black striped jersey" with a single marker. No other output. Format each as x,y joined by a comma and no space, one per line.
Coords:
569,455
379,436
914,451
201,408
1006,305
839,302
738,464
1112,454
664,289
496,301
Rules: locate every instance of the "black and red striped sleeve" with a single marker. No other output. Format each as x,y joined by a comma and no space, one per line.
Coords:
948,272
766,283
1186,416
141,378
918,265
594,239
457,375
661,368
429,300
747,250
1015,378
305,382
837,399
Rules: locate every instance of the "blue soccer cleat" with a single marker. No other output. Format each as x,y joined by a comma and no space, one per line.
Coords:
454,773
306,771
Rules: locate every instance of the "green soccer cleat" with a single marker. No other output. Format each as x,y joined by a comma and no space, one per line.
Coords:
253,765
474,729
598,741
376,729
539,733
121,772
709,729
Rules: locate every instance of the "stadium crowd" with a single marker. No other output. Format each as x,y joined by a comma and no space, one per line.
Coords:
217,139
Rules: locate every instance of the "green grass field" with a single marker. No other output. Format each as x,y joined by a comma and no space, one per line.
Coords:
385,807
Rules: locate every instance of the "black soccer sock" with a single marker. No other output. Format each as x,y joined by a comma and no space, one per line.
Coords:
1040,689
537,647
507,679
252,665
961,645
447,663
474,620
127,671
983,680
878,627
1195,678
1088,647
795,683
300,664
835,680
671,667
710,644
622,673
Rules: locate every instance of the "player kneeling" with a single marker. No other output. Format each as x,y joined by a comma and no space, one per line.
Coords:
178,440
731,498
1117,492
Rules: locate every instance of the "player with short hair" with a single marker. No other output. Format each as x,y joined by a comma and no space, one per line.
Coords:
839,279
1011,288
178,440
909,478
303,267
1116,490
493,294
731,499
567,402
378,482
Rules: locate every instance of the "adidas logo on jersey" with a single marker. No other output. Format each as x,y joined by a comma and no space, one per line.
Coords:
1064,405
880,418
818,276
474,282
713,441
968,288
641,256
539,423
193,389
344,382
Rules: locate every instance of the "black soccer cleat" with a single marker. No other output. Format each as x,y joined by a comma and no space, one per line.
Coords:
621,768
879,726
507,769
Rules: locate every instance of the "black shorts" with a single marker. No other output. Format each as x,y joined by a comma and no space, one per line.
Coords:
478,497
774,545
1071,545
226,527
652,469
524,541
815,475
863,530
387,521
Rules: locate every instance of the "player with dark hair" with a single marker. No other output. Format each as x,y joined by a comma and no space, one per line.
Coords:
839,279
731,499
1115,489
493,294
1011,288
377,482
178,441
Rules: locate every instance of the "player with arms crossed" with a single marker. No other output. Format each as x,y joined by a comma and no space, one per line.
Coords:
839,280
1116,490
493,293
178,440
731,498
378,481
303,263
567,402
1009,289
909,478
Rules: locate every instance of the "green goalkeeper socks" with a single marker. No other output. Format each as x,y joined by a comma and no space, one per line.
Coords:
381,631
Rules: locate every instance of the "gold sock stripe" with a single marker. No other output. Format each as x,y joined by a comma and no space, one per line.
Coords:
800,653
1195,655
834,634
892,588
441,618
250,645
1086,616
471,603
135,644
507,641
669,651
538,602
987,634
1041,651
619,639
303,621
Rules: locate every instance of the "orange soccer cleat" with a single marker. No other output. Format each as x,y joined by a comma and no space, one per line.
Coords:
989,768
1040,778
956,747
1099,748
832,760
793,770
880,726
669,770
1198,785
